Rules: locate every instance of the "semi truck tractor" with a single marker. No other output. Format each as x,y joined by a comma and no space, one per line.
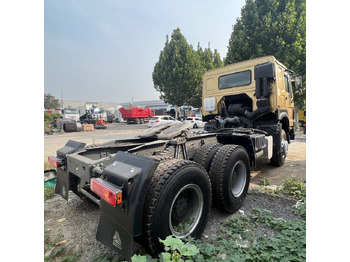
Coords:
164,180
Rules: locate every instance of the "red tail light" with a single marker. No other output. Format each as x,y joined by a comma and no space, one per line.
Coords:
157,121
53,161
192,121
112,196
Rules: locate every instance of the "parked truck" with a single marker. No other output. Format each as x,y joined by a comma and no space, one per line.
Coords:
302,119
69,120
163,181
136,115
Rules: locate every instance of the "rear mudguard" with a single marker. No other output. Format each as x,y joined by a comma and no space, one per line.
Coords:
119,225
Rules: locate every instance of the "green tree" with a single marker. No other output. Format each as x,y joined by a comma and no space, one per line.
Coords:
209,59
178,73
51,102
217,61
272,27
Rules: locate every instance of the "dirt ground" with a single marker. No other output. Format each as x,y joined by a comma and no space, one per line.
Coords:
77,220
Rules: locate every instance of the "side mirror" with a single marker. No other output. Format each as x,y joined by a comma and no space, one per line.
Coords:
298,82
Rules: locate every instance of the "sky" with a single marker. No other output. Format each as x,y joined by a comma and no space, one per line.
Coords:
105,51
86,52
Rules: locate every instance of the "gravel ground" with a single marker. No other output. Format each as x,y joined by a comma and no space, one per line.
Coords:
77,220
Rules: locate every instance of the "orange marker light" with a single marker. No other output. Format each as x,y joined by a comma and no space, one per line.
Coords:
111,196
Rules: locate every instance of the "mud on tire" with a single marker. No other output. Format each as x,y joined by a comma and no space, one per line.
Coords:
230,177
177,203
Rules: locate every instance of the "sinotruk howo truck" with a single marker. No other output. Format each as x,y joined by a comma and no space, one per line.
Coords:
163,181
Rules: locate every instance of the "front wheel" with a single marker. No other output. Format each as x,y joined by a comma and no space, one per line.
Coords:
177,203
281,150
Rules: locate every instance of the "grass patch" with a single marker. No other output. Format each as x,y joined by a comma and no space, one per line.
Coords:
257,236
56,250
49,192
291,187
294,188
264,182
47,166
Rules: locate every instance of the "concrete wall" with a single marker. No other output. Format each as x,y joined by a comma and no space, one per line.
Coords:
107,105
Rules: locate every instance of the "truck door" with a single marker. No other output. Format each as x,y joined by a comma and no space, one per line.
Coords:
288,96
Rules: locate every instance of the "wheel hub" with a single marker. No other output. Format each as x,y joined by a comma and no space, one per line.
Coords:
180,209
185,211
285,147
238,179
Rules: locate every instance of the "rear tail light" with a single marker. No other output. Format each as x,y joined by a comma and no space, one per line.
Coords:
157,121
53,161
192,121
106,191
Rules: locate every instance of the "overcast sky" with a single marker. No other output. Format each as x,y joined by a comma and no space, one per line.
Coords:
105,50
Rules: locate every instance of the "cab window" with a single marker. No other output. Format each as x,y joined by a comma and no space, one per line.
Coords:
288,84
234,80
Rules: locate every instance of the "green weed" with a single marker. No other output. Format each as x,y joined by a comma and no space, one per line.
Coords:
264,182
55,249
175,250
294,187
258,236
49,192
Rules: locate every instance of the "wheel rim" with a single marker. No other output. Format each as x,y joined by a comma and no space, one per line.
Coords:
185,211
238,178
284,147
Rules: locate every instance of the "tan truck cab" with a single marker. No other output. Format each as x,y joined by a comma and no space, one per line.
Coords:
256,93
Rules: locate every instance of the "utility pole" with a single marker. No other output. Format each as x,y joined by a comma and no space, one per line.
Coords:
61,100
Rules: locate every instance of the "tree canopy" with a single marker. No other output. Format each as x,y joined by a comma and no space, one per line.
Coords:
51,102
272,27
178,73
209,59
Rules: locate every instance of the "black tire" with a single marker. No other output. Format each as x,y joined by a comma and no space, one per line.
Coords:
230,177
192,152
195,126
180,191
205,155
69,127
280,152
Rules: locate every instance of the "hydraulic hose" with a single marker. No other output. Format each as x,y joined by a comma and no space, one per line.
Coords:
239,111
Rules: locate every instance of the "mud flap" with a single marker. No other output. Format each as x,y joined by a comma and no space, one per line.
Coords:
120,224
114,236
64,178
62,183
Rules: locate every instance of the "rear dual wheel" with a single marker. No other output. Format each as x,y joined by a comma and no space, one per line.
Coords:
205,155
177,203
229,171
230,177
